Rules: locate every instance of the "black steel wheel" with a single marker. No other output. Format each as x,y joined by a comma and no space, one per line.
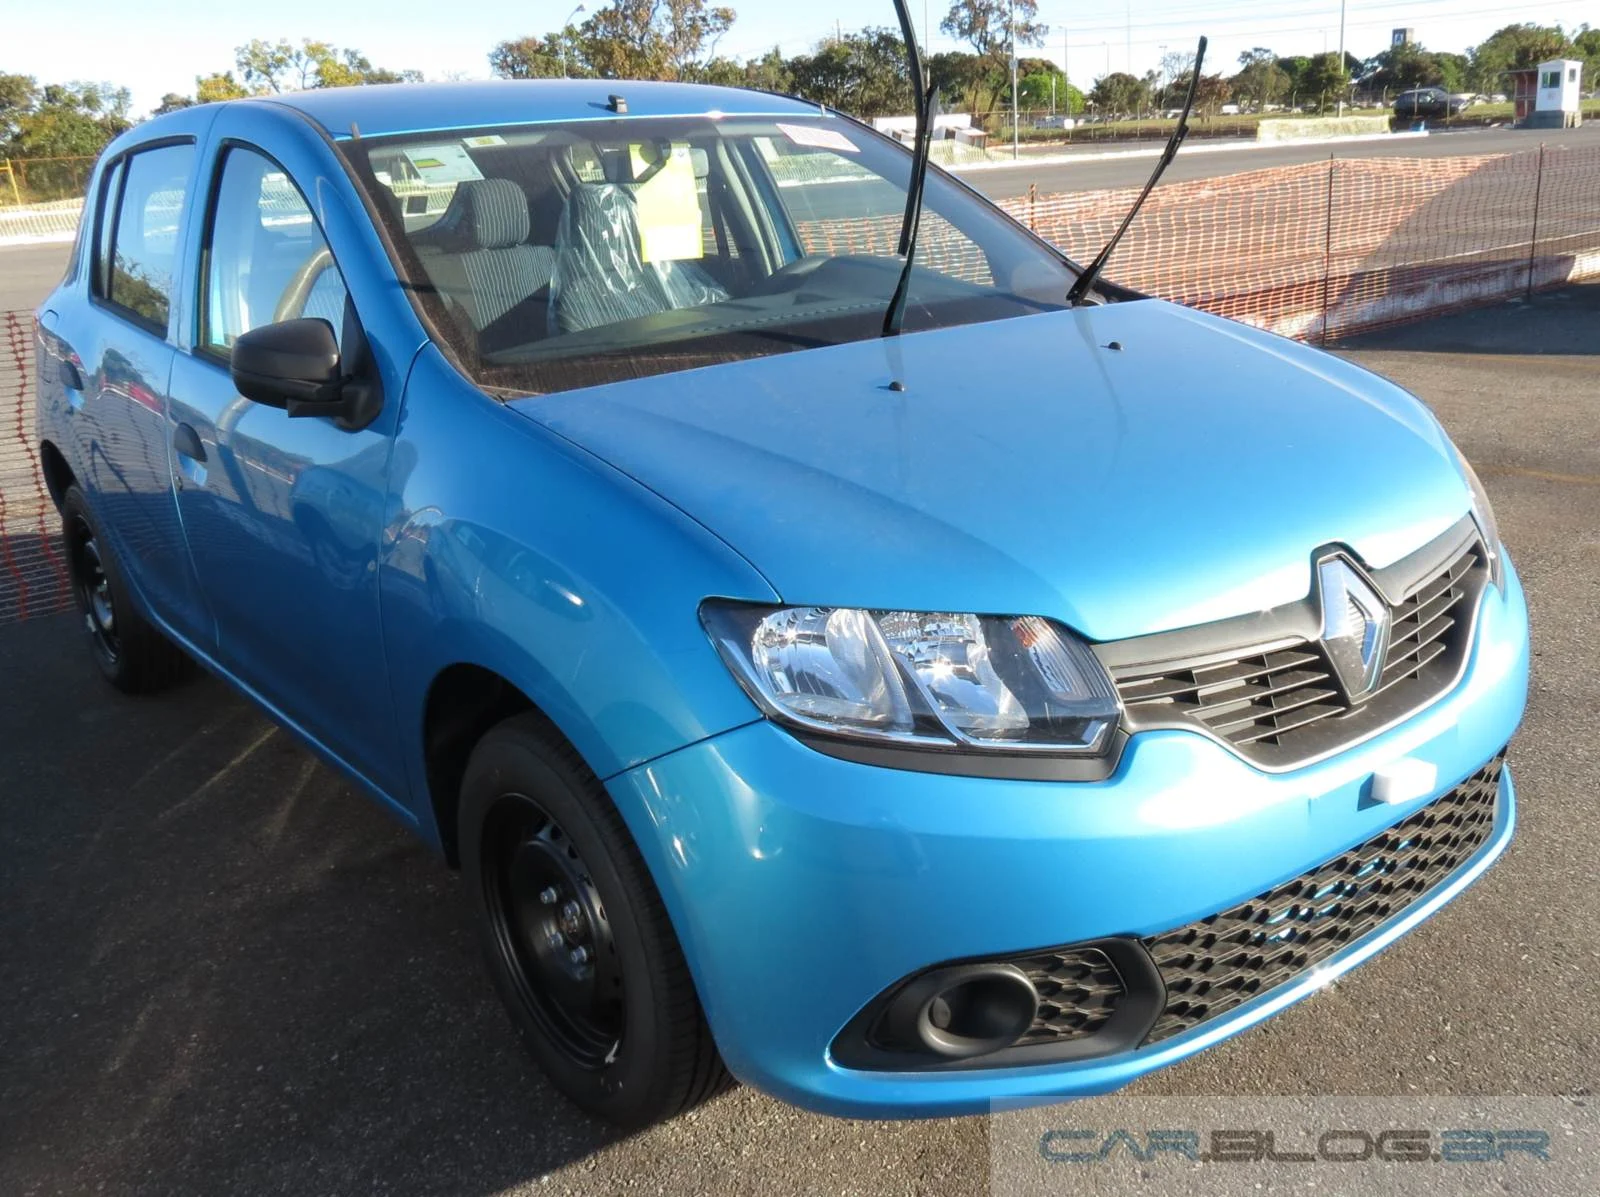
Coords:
575,934
130,652
551,932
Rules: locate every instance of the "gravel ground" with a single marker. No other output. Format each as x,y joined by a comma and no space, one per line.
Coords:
222,971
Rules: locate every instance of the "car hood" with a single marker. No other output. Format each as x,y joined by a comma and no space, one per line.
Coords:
1126,468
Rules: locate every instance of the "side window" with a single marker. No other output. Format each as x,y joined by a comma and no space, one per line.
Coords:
266,260
110,192
142,266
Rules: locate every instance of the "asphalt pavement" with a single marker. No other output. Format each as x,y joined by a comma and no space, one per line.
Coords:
28,272
223,970
1092,166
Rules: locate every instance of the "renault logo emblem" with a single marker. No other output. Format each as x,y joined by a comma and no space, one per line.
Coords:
1355,627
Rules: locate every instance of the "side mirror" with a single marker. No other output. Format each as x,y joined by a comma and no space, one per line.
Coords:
293,365
296,365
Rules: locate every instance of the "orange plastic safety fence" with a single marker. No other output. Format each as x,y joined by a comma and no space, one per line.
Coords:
33,577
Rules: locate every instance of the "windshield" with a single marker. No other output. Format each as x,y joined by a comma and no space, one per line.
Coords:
556,256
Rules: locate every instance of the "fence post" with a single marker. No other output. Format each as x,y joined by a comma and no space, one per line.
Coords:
1327,250
1533,242
11,173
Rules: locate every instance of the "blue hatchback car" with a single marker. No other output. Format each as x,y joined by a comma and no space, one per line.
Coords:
1004,709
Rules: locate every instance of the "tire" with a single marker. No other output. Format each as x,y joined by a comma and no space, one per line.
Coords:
128,650
575,933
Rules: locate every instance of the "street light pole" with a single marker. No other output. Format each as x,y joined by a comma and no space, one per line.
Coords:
565,25
1341,56
1015,137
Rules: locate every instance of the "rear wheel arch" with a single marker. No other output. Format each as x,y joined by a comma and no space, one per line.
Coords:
58,475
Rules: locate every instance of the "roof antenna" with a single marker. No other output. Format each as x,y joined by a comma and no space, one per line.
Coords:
1091,273
355,131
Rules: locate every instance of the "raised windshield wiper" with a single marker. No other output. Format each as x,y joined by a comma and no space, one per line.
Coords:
1091,273
922,93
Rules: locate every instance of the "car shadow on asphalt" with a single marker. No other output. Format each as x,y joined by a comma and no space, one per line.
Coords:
224,969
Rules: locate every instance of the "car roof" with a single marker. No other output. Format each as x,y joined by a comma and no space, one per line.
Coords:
383,109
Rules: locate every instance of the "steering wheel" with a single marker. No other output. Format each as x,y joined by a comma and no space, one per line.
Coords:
292,303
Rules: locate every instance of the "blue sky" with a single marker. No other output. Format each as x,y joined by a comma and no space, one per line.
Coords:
162,45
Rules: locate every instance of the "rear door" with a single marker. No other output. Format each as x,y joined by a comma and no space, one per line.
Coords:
283,516
116,332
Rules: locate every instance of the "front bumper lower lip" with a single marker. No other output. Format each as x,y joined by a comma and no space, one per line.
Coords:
802,886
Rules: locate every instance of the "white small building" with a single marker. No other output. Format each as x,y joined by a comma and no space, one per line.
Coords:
1557,91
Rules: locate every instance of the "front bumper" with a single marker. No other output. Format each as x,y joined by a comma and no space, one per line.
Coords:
802,886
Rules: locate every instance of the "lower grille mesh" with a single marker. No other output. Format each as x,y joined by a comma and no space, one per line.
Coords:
1078,992
1220,962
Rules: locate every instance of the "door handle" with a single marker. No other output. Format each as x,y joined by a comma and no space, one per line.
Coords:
187,442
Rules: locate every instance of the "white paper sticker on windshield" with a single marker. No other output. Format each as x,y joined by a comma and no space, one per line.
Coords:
822,139
482,140
443,163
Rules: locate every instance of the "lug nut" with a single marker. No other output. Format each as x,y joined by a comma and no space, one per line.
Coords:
548,895
579,955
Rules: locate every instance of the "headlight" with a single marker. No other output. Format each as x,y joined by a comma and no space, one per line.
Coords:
923,679
1483,514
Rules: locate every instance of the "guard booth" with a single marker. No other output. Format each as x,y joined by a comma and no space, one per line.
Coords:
1548,96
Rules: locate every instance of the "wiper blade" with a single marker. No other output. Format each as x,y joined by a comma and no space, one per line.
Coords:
1091,273
922,93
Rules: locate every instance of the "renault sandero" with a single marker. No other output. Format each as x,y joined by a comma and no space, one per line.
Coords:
844,644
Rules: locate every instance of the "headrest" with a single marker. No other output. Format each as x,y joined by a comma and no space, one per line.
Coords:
483,214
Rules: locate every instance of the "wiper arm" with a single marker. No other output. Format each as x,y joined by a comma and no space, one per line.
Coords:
922,93
1091,273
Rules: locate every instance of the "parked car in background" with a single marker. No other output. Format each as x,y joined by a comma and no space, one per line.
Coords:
898,721
1429,102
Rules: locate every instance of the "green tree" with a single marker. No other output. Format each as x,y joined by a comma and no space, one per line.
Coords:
553,56
1039,89
172,102
1118,94
985,25
219,85
1324,78
966,82
1586,45
269,67
59,120
864,74
1260,81
18,95
1511,48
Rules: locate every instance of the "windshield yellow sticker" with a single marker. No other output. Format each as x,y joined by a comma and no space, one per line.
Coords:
668,208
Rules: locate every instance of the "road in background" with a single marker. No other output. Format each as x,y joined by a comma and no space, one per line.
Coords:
224,970
28,272
1090,175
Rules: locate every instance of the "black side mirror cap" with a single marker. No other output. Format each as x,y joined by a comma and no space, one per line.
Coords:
296,365
293,365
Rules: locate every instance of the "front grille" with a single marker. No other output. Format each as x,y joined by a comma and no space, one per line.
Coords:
1220,962
1425,619
1078,993
1280,705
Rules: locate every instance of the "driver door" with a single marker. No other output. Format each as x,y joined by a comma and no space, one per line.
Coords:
282,516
